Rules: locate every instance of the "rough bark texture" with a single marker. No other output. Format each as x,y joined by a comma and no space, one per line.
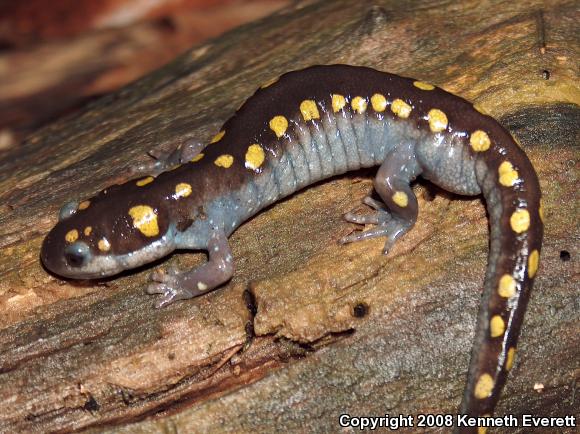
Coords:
337,328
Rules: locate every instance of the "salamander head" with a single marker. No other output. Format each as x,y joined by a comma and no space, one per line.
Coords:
106,235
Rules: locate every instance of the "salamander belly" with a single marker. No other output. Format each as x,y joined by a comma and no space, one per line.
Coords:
446,162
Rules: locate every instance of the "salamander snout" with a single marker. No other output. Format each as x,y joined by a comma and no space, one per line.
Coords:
61,258
65,253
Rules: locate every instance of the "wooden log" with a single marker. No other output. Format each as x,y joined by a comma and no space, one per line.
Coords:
307,330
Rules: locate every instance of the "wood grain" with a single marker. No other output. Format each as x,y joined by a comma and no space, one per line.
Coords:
307,329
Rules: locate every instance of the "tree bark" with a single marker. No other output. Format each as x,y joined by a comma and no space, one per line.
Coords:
307,330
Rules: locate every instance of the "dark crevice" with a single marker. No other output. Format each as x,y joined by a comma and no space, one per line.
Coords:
565,255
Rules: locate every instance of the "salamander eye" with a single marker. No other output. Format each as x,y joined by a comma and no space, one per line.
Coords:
67,210
76,255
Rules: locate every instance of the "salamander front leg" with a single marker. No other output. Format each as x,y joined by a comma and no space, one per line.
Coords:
398,213
163,161
175,285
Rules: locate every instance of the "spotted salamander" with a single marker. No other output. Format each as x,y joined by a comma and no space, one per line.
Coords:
294,131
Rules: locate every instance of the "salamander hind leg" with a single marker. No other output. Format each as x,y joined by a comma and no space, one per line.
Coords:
398,214
176,285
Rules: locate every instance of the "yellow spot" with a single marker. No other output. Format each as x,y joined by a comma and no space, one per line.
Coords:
533,262
507,286
225,161
437,120
145,220
496,326
511,355
541,211
197,157
508,176
379,102
483,387
218,137
84,204
338,102
255,156
520,221
401,108
482,429
144,181
423,86
359,104
309,110
88,230
279,124
401,199
71,236
479,141
104,245
182,189
269,82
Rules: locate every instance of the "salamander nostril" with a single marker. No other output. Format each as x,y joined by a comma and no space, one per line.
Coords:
76,254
